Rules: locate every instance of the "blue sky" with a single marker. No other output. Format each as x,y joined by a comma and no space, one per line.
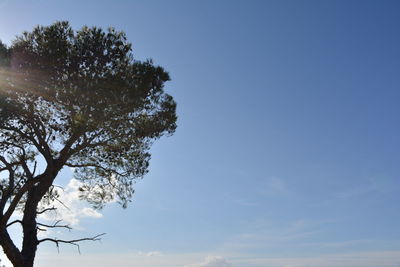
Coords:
287,148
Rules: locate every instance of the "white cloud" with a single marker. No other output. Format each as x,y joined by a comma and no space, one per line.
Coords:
70,209
211,261
150,254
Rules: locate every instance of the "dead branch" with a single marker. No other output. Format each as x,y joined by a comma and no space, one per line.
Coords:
56,225
71,242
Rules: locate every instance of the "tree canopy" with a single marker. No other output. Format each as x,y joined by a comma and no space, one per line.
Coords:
77,99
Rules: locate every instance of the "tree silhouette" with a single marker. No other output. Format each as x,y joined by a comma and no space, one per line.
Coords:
77,99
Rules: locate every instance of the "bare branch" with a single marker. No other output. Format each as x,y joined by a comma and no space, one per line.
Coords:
47,209
27,171
13,222
62,203
71,242
34,168
8,166
56,225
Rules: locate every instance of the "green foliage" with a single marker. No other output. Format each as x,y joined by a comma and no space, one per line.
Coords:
80,99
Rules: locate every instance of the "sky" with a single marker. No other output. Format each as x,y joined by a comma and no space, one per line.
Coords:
288,141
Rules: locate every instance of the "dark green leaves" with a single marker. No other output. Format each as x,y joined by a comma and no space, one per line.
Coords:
80,98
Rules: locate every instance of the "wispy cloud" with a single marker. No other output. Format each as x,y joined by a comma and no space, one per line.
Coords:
150,253
264,235
211,261
70,209
375,185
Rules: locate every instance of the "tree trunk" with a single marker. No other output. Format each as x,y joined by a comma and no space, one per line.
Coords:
29,228
26,257
11,251
29,225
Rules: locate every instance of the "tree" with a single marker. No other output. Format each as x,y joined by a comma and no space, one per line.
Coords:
76,99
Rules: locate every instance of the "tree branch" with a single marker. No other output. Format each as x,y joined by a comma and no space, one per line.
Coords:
27,171
13,222
56,225
94,166
25,136
71,242
7,194
28,185
47,209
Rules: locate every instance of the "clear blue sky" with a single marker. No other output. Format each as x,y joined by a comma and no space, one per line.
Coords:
287,150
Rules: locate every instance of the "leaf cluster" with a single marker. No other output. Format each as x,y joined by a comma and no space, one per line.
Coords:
78,98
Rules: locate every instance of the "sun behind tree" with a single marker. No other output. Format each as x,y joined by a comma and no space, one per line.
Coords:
75,99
